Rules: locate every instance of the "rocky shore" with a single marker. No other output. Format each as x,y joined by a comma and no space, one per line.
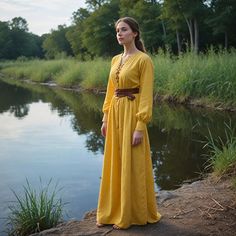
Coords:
205,207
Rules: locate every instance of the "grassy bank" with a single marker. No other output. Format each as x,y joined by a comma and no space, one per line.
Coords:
222,152
64,72
208,79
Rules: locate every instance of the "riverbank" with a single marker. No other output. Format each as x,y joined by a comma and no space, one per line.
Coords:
189,101
205,207
206,80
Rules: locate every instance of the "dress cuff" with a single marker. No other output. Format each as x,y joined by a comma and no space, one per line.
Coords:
104,119
140,125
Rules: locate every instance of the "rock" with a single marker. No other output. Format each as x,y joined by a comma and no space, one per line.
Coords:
201,208
163,196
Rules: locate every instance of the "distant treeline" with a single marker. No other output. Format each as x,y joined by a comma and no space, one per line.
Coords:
175,25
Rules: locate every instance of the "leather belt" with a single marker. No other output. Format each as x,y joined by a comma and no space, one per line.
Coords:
127,93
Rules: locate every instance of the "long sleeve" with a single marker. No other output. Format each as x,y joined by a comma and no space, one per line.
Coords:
109,94
144,113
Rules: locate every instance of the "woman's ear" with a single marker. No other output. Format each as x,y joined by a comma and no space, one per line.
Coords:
135,34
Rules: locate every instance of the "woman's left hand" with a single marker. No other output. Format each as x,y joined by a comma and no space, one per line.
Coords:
137,137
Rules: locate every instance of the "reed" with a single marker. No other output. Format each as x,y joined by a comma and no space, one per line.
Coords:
211,75
208,78
34,212
96,74
222,152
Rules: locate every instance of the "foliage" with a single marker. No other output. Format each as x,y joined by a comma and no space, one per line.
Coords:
56,43
74,35
15,40
149,26
223,152
67,73
34,211
99,32
182,25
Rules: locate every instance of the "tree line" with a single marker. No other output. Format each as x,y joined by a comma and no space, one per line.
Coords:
176,25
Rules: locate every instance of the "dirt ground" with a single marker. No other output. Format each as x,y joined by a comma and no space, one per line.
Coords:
205,207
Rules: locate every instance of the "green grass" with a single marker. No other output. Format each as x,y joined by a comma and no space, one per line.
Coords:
223,152
205,78
34,211
96,74
211,75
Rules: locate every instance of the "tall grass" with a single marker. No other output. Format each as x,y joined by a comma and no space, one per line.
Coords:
209,77
36,70
96,74
223,152
34,212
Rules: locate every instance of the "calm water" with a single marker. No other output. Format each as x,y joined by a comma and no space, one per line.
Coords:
52,133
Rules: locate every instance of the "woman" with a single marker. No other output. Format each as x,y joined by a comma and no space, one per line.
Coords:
127,194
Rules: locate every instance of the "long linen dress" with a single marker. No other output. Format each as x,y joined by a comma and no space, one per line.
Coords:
127,194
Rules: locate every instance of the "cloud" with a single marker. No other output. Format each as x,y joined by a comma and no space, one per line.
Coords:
42,15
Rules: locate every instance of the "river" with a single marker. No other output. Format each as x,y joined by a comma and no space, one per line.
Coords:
47,132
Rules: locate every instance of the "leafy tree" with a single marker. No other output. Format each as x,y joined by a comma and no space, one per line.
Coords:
19,23
147,13
16,41
56,43
5,40
92,33
95,4
191,11
74,34
99,35
79,16
222,18
174,18
126,7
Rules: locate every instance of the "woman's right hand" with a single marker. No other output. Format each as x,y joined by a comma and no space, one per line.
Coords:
104,129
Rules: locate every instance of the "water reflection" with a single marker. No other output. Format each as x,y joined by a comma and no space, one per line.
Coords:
86,110
14,100
175,131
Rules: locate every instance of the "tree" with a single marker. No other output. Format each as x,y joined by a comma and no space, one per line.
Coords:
74,33
224,13
98,34
5,40
174,18
126,6
56,43
19,23
95,4
79,16
147,14
191,11
15,41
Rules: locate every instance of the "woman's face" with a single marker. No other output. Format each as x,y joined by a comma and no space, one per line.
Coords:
124,33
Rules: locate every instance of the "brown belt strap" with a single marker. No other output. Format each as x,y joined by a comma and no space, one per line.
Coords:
127,93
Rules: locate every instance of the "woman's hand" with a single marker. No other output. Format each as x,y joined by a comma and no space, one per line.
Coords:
137,137
104,129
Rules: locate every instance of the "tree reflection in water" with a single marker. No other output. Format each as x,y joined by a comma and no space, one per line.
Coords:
14,100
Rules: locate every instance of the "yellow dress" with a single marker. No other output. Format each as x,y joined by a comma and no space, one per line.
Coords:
127,194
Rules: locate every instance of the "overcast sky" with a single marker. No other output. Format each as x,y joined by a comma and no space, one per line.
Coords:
41,15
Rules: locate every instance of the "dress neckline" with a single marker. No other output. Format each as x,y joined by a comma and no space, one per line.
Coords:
132,55
120,65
